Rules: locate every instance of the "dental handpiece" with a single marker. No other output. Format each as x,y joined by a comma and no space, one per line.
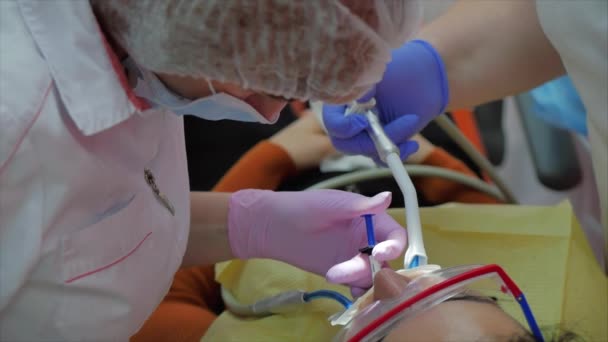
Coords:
388,152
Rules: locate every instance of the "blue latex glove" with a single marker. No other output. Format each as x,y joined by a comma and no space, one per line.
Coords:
413,91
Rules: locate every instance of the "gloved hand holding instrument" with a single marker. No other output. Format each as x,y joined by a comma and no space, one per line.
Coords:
389,153
319,245
413,91
319,231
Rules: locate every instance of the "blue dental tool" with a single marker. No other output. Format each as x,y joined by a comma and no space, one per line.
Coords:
369,225
371,242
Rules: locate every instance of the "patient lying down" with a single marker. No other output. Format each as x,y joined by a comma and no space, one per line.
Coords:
465,317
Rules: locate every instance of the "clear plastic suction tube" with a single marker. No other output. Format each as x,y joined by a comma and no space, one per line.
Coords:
388,152
414,229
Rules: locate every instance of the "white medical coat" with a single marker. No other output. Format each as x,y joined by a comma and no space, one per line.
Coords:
87,250
579,32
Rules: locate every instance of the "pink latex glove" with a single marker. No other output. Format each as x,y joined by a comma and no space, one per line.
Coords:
320,231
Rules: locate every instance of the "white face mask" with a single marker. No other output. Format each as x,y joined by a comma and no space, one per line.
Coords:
214,107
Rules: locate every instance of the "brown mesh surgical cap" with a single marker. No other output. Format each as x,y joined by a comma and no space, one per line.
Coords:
330,50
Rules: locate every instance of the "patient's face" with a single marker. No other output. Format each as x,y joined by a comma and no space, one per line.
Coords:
466,318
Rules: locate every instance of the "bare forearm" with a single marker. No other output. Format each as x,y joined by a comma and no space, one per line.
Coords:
208,241
491,49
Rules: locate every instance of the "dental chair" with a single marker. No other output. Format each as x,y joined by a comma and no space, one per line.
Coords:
552,149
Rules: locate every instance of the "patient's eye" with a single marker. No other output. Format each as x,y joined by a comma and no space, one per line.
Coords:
475,298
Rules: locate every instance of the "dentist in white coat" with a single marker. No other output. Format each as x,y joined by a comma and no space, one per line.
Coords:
95,209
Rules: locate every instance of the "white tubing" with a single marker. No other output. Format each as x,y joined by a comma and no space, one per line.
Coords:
412,217
389,153
480,160
413,170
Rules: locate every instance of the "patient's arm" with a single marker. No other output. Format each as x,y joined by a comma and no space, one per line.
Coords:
264,166
299,146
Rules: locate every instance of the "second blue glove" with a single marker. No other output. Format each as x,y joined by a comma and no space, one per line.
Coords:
413,91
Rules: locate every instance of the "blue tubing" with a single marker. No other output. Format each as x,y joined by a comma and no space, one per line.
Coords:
369,225
530,318
328,294
414,262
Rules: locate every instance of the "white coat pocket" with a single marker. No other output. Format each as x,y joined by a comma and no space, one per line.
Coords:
116,271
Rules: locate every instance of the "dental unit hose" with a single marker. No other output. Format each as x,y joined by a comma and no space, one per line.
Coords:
280,303
388,152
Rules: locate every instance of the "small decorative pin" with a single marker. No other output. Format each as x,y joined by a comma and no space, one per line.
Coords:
159,196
